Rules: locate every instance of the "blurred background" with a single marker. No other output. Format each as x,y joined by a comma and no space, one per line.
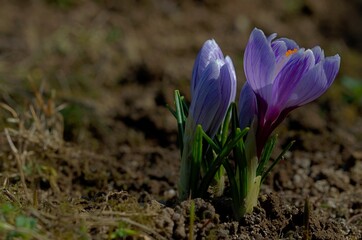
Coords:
115,63
99,74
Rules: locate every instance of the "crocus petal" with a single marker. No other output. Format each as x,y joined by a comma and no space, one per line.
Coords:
259,62
247,106
232,73
331,67
318,54
312,85
209,52
291,44
279,49
290,75
226,88
207,97
272,37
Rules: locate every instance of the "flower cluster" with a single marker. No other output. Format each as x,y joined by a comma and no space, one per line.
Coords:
280,76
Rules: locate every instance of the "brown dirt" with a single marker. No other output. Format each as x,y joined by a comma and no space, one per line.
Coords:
105,165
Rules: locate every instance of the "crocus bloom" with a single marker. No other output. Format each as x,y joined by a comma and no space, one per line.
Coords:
213,88
282,77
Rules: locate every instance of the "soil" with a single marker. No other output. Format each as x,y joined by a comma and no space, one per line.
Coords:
89,150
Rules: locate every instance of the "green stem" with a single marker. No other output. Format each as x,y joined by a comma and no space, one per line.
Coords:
280,157
237,202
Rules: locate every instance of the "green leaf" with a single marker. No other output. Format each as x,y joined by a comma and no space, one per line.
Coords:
237,201
221,157
196,159
266,154
181,118
241,168
185,108
226,125
234,118
212,144
171,110
280,157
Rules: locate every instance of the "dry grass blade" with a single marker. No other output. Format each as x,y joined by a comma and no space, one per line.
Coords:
18,161
102,221
10,196
10,109
123,214
355,218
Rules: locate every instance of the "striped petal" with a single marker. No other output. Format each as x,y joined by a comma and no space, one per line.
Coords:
259,63
331,67
312,85
206,101
232,73
209,52
225,90
247,106
289,77
318,54
291,44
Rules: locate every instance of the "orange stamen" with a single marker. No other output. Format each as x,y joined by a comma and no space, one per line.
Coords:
290,52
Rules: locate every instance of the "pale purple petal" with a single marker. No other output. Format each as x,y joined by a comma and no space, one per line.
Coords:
272,37
318,54
231,68
312,85
331,67
259,62
209,52
279,49
226,88
207,97
291,44
289,77
247,106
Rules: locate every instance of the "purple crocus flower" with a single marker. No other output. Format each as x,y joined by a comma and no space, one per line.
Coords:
283,77
213,88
